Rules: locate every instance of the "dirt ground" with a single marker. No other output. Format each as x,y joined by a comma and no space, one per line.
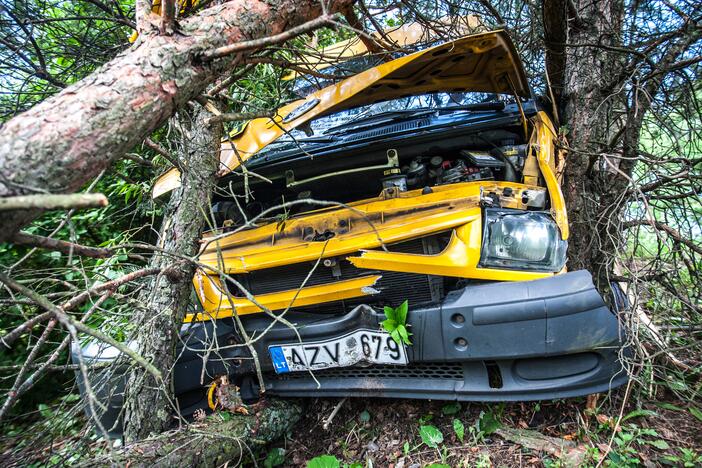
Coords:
386,433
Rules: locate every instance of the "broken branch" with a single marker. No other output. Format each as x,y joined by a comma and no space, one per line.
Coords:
53,201
266,41
71,324
30,240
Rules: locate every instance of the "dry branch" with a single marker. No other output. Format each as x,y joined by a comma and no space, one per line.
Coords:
70,323
53,201
674,233
30,240
256,44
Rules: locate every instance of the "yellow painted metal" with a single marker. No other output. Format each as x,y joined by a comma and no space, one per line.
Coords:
459,258
362,225
408,34
166,182
544,141
486,62
219,306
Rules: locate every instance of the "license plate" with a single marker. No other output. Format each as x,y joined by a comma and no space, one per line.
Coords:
360,346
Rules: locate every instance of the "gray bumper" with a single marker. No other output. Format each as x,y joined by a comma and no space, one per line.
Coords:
543,339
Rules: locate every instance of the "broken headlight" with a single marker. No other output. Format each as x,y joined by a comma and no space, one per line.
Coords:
524,240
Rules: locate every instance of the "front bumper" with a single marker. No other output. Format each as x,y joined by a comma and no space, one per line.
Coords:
530,340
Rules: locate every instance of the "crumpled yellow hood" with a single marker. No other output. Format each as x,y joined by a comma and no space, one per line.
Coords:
485,62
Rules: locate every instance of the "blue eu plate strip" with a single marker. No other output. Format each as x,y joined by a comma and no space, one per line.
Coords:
280,364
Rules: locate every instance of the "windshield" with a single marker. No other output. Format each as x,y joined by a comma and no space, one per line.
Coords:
430,102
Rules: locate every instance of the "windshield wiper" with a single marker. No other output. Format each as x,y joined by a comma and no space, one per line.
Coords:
478,106
288,139
375,119
364,121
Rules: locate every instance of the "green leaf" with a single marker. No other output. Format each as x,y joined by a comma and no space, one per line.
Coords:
668,406
638,413
225,415
45,411
390,313
364,417
389,325
275,457
404,334
401,312
659,444
431,436
695,412
487,423
395,335
323,461
406,448
459,429
437,465
451,408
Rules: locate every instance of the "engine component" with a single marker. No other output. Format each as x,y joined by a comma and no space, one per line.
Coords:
416,173
227,214
459,172
436,161
515,153
394,178
482,159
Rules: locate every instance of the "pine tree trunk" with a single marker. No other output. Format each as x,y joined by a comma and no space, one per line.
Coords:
589,72
149,404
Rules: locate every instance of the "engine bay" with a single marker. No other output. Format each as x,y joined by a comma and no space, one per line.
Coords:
347,174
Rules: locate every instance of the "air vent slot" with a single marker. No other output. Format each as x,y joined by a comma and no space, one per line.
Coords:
398,127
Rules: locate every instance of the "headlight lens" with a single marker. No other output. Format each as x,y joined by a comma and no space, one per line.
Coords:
525,240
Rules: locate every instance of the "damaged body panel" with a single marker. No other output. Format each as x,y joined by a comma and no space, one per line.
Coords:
426,184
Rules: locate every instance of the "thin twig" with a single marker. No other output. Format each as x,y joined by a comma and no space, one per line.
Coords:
267,41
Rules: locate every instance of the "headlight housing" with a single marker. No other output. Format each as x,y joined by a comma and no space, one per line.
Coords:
524,240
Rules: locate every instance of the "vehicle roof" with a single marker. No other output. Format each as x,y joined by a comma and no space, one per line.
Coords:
485,62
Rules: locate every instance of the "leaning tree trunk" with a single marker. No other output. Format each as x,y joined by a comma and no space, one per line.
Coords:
65,141
163,304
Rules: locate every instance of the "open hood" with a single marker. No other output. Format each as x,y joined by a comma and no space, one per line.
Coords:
485,62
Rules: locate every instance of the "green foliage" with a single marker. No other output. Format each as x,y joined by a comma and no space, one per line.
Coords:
431,436
395,323
459,429
487,423
687,458
451,408
324,461
275,457
364,417
696,413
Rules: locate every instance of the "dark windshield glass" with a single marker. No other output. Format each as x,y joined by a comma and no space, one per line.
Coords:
430,102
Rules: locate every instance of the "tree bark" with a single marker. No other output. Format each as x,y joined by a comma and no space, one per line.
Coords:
61,143
589,69
148,403
214,442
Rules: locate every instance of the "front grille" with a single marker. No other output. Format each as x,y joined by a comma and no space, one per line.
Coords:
394,287
420,370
